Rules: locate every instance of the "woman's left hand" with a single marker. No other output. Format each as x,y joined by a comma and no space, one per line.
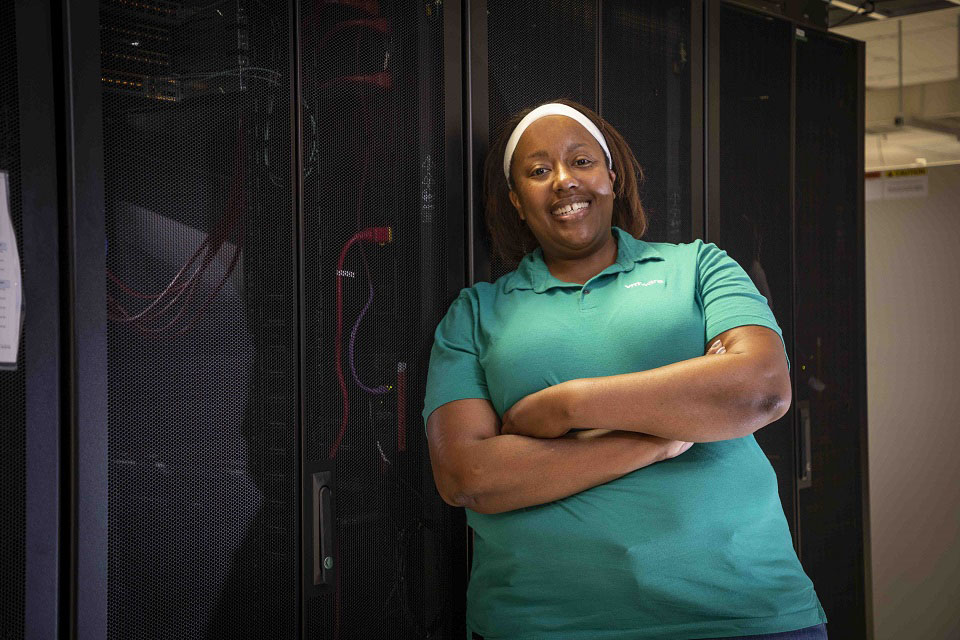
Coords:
542,414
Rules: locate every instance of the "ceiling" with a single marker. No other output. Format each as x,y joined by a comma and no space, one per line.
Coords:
887,8
929,46
930,33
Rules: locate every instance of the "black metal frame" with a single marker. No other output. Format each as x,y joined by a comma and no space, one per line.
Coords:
456,89
711,115
698,119
477,128
797,427
789,10
301,524
80,149
42,294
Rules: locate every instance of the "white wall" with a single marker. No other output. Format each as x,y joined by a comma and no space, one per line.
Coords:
913,389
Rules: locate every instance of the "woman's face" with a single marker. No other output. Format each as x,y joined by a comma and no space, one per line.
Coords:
562,187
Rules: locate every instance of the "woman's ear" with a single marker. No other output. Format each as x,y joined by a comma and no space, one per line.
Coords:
515,201
613,176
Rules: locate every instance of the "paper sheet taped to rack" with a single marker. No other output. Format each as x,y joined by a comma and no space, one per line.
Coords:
11,295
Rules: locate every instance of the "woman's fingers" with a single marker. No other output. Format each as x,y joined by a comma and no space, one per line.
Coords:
716,348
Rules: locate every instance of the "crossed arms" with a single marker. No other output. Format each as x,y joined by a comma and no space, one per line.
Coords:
698,400
492,465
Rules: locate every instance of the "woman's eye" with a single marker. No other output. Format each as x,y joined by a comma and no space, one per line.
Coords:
537,171
583,161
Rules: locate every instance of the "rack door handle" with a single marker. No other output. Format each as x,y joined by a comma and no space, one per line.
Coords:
323,528
806,464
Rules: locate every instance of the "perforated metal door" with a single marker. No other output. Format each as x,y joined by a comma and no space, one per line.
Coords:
202,319
378,276
645,90
254,277
831,344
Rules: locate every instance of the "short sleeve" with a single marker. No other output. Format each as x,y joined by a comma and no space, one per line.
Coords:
728,295
454,372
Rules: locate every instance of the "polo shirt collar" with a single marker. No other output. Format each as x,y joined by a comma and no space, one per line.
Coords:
532,272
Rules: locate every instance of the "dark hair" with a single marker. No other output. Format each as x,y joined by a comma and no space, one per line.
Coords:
511,238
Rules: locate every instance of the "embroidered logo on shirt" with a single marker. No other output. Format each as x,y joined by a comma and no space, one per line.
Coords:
643,284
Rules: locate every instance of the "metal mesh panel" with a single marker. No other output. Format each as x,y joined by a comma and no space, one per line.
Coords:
12,382
202,342
645,94
538,51
373,107
754,219
829,323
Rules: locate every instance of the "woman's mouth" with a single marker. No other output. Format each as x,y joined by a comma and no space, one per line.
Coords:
573,211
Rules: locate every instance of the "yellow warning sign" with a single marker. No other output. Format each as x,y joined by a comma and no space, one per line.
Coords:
899,173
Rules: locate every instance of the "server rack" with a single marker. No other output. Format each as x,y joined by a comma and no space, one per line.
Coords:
830,340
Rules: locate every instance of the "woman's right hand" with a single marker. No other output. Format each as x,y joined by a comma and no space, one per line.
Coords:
673,448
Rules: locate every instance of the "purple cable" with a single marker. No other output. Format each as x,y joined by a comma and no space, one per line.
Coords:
353,334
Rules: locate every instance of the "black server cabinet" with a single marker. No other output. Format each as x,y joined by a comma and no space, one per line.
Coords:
381,260
785,199
830,394
29,327
639,65
265,208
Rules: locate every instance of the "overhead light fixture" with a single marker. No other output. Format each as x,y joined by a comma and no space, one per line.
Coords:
852,8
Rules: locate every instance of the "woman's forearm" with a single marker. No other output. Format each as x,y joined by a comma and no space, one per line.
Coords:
509,471
698,400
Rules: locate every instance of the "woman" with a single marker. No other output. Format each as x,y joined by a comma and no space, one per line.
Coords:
608,469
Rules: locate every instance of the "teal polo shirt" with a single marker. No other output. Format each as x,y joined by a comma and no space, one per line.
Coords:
692,547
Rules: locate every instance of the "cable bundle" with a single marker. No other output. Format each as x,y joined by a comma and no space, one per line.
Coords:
168,313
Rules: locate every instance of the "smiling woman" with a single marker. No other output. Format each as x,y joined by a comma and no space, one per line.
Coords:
661,518
554,148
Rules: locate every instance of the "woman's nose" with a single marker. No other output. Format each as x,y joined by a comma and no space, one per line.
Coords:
564,179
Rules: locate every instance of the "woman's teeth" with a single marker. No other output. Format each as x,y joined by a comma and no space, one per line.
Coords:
570,209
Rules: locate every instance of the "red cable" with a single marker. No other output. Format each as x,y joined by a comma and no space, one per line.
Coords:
382,235
337,347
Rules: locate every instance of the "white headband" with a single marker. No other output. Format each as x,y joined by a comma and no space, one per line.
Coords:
551,109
